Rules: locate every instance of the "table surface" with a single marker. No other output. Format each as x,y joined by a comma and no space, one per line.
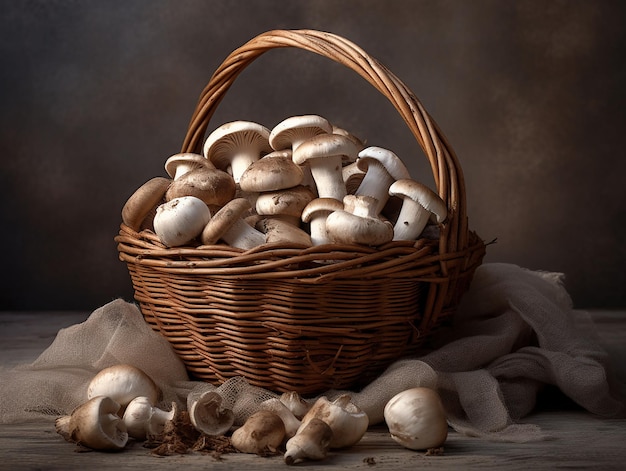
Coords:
579,440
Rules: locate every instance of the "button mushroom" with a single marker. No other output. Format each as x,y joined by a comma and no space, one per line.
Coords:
312,442
228,225
325,154
284,204
293,131
122,383
213,186
418,204
144,201
181,220
236,145
270,173
208,413
416,419
382,168
291,422
262,433
358,223
179,164
96,425
347,421
143,419
295,403
280,231
315,214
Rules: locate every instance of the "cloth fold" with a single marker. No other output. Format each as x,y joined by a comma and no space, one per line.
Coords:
514,332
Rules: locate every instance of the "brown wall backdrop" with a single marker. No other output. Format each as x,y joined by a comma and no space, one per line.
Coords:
97,94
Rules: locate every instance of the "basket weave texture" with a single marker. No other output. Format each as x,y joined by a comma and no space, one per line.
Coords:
306,320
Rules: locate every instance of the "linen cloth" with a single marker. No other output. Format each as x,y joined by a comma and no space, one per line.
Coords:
514,332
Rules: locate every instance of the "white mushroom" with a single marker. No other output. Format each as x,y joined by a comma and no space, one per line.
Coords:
262,433
416,419
312,442
315,214
382,168
325,154
144,201
228,225
179,164
208,413
122,383
295,403
96,425
236,145
293,131
418,203
358,223
181,220
352,177
142,419
347,421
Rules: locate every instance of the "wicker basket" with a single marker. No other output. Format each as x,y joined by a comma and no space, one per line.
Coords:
305,320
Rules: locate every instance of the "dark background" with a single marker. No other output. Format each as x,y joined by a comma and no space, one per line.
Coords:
96,95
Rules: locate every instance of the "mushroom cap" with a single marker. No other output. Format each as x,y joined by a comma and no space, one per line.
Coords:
288,202
95,424
278,230
297,129
325,145
347,228
231,138
209,414
123,383
186,161
271,173
224,220
421,194
320,205
213,186
390,161
181,220
343,132
144,200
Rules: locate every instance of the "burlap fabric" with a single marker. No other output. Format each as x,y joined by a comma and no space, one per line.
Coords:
515,332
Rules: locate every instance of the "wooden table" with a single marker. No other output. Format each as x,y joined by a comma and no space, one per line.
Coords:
581,440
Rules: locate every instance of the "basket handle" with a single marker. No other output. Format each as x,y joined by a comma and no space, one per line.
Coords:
445,166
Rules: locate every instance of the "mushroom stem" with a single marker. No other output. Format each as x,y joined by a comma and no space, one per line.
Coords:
376,183
410,224
242,235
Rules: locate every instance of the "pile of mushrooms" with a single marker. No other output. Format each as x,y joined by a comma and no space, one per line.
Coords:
305,181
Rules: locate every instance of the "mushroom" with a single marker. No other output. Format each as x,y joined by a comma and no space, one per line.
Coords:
236,145
382,168
95,424
181,220
293,131
179,164
208,413
280,231
347,421
325,154
291,422
284,204
352,177
143,419
358,223
315,214
312,442
276,171
360,145
416,419
295,403
262,433
144,201
122,383
228,225
418,204
213,186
